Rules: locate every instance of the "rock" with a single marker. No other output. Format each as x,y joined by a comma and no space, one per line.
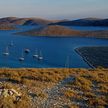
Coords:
10,92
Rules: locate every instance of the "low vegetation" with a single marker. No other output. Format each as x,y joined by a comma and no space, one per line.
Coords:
89,87
85,91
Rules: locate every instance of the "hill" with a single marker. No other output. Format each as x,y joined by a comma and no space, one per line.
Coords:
84,22
7,27
7,20
96,34
26,21
53,88
40,21
55,30
37,21
51,31
19,21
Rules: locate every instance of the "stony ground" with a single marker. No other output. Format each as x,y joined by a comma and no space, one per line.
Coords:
54,88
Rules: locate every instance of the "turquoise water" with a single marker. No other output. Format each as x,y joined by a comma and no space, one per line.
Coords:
54,50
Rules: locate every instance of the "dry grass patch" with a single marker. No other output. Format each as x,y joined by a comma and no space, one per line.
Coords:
70,93
90,86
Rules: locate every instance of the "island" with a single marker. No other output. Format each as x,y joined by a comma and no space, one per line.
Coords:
51,31
61,31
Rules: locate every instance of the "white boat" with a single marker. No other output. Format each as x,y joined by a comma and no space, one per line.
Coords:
40,56
36,54
11,44
67,64
27,50
22,57
6,53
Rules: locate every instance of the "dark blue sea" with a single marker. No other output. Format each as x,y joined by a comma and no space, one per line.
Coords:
54,50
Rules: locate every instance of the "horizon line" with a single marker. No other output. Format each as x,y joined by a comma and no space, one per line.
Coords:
38,17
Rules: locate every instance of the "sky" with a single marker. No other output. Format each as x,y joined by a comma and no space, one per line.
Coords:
54,9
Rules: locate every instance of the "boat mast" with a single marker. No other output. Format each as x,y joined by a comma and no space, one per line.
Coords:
22,54
7,50
67,65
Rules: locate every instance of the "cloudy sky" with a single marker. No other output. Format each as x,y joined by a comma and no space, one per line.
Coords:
54,9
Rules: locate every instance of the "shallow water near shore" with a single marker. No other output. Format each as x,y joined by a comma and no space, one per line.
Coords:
55,50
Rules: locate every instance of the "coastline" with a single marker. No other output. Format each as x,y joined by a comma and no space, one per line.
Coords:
78,52
60,36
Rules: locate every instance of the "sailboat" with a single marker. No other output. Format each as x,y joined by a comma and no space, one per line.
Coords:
36,54
11,44
40,56
67,62
22,57
6,53
27,50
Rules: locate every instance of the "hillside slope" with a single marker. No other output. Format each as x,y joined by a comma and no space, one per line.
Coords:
26,21
53,88
84,22
7,27
51,31
55,30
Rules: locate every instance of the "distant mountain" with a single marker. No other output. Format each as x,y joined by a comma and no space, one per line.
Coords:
26,21
19,21
91,18
7,20
37,21
40,21
52,30
84,22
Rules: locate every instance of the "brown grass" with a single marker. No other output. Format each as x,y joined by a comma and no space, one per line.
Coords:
93,83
